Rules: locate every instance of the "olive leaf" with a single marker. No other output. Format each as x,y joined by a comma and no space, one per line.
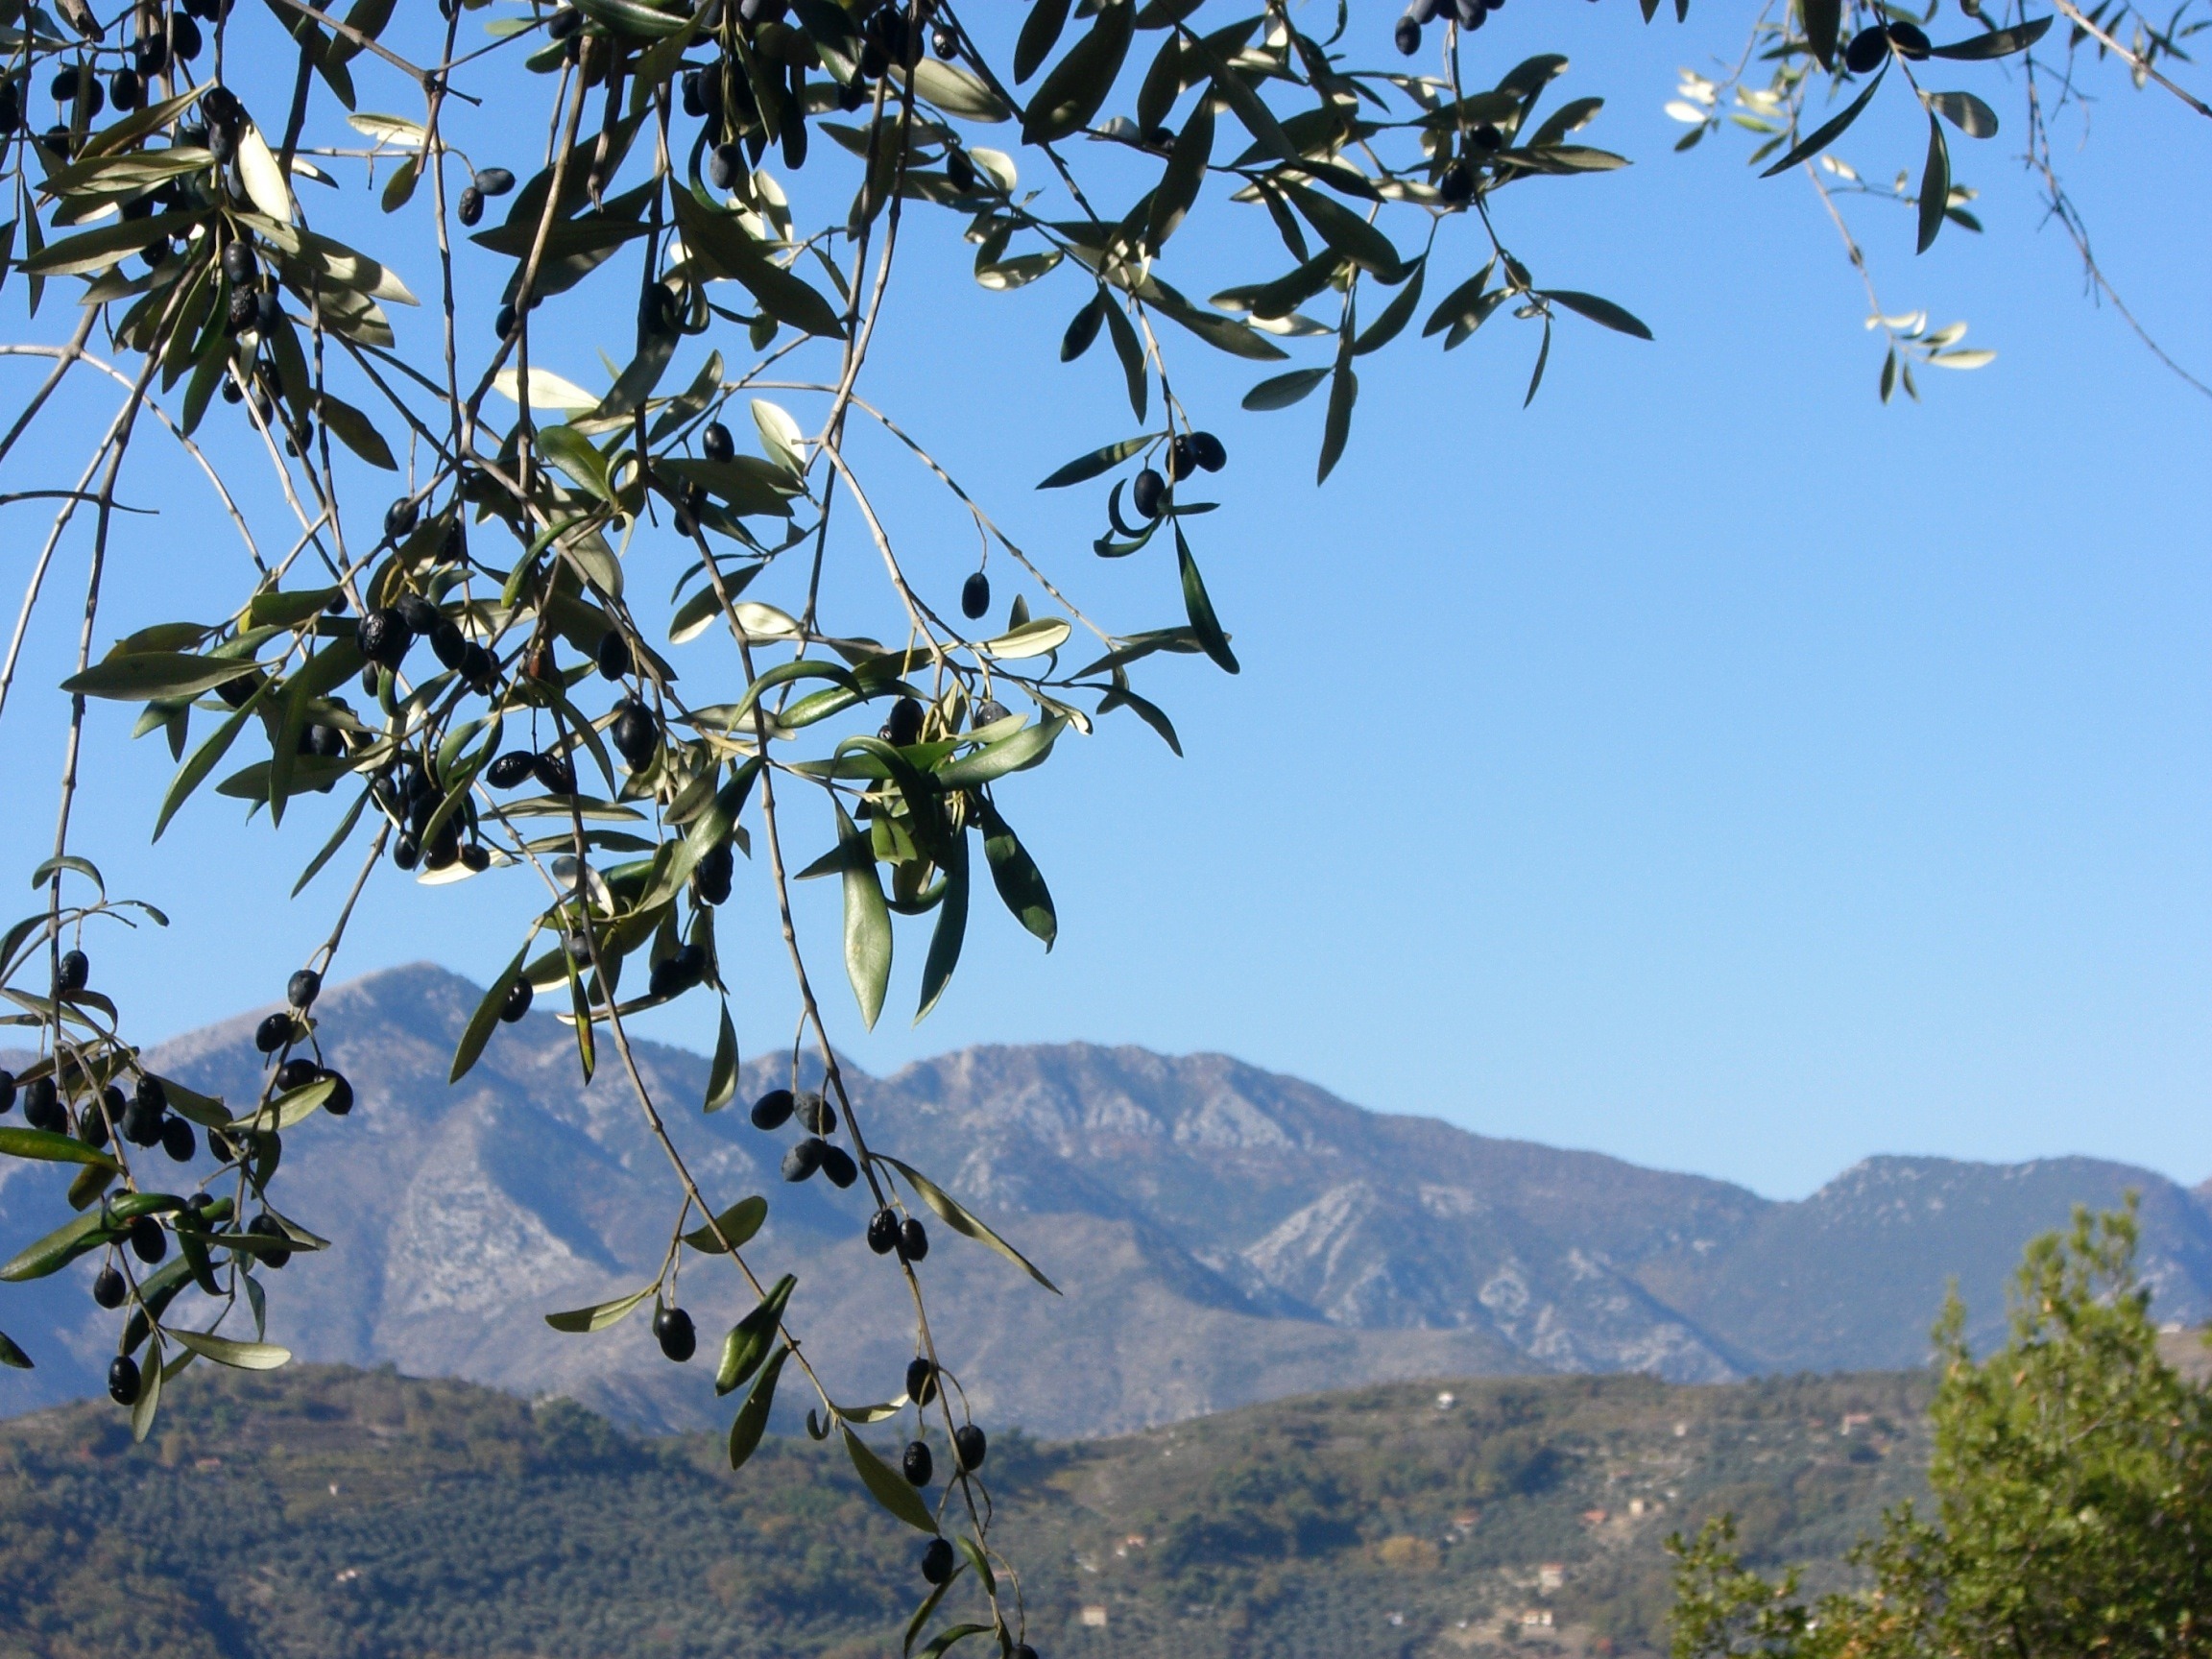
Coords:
867,921
752,1420
961,1220
885,1485
747,1343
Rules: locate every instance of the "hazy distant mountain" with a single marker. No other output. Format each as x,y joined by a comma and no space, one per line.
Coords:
1223,1235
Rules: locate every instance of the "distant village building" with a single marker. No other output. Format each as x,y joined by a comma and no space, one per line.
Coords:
1135,1541
1466,1519
1093,1616
1550,1575
1855,1420
1595,1517
1536,1619
1681,1430
1445,1401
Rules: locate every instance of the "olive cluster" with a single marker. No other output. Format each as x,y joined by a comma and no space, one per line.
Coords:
160,38
1199,452
1466,13
819,1118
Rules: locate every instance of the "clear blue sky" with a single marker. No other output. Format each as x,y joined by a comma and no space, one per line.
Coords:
1707,766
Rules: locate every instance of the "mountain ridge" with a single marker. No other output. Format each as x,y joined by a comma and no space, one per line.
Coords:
1224,1235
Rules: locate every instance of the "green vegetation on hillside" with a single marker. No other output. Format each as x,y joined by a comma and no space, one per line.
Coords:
323,1513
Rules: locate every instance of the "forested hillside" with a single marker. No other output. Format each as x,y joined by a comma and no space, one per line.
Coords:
328,1513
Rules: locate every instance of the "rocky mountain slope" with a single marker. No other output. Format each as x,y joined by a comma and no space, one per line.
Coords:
1222,1235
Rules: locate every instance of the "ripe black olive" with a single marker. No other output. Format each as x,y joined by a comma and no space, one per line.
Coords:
126,90
959,171
838,1167
1867,48
93,1126
302,988
238,262
218,103
555,774
7,1092
407,852
1457,185
816,1116
1181,459
1208,449
149,1095
1148,492
913,1239
883,1232
905,727
804,1158
677,973
565,22
636,734
1487,137
123,1381
341,1099
148,1242
384,637
673,1329
272,1033
921,1381
937,1561
295,1074
614,658
943,42
917,1465
400,518
969,1446
975,596
109,1288
1407,35
773,1110
710,876
470,207
179,1141
503,325
1908,40
510,769
726,166
716,442
185,38
447,643
75,970
517,1002
43,1106
989,712
266,1226
495,180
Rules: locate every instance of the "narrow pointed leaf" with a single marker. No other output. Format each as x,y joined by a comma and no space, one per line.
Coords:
887,1486
867,922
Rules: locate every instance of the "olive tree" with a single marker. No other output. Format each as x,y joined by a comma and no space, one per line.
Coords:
450,653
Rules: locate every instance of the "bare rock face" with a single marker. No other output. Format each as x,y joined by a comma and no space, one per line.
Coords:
1222,1235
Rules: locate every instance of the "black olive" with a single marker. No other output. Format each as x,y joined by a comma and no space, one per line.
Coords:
989,712
614,658
10,107
672,976
815,1115
917,1465
222,142
1909,40
838,1167
495,180
219,103
710,876
235,692
693,92
109,1288
773,1110
716,444
969,1446
565,22
295,1074
555,774
150,1095
1023,1651
93,1126
126,90
803,1159
913,1239
75,970
479,666
1867,48
398,518
510,769
266,1226
43,1106
328,741
726,166
503,325
341,1099
905,727
974,595
937,1561
636,734
443,853
272,1033
1207,448
143,1122
65,85
921,1381
1148,492
470,207
1407,35
1457,185
883,1232
447,643
1181,459
123,1380
943,42
185,38
1487,137
959,171
302,988
517,1002
7,1092
384,637
148,1242
673,1329
407,852
238,262
179,1141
